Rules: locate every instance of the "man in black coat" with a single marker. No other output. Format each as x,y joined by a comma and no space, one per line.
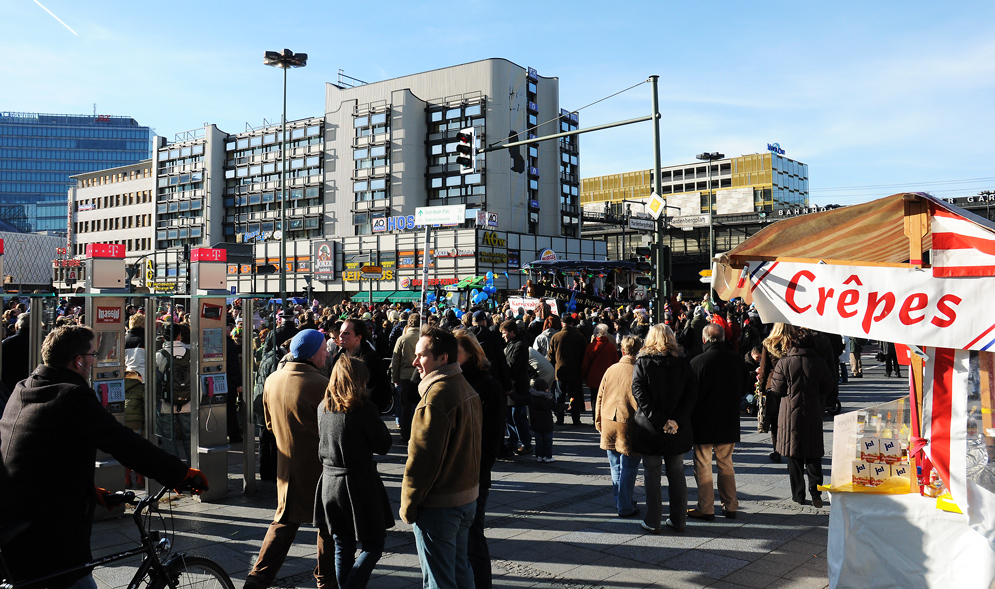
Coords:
54,423
516,353
715,421
16,366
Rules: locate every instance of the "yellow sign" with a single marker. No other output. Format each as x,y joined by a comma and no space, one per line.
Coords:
149,271
705,273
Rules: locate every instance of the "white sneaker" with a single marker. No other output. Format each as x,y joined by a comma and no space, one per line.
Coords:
550,459
540,459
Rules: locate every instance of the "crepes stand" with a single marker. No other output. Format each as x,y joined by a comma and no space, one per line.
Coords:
912,480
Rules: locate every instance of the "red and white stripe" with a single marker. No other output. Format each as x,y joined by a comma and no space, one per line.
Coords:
960,247
944,417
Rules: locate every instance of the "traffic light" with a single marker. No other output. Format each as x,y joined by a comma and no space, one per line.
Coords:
466,150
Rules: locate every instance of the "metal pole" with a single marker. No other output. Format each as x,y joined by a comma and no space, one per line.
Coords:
424,271
283,208
497,146
711,227
248,388
656,307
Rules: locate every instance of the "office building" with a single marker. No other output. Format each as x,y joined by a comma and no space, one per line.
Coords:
40,152
355,177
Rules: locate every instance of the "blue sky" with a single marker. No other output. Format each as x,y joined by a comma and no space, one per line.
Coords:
876,97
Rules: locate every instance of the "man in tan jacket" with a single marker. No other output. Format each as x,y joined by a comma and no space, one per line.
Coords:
290,404
440,486
614,407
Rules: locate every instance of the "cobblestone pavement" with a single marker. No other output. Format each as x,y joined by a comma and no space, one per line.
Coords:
554,525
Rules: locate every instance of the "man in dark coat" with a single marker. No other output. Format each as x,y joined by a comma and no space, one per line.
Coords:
516,352
16,366
54,423
566,352
715,421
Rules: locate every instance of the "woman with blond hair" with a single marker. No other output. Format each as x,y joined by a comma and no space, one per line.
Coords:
775,347
665,389
351,503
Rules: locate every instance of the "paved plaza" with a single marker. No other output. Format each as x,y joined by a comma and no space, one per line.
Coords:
554,525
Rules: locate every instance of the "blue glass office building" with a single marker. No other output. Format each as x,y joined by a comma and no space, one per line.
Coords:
39,152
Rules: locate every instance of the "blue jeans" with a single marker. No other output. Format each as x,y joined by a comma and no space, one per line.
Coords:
624,470
518,426
544,445
441,535
351,571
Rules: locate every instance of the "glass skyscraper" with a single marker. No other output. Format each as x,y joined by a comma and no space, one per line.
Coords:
39,152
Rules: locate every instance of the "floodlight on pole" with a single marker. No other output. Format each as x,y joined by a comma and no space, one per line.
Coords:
709,158
285,60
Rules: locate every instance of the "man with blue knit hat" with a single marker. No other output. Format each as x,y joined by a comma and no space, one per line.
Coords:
291,397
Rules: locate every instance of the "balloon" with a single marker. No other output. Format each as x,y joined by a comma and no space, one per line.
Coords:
573,306
474,292
434,309
430,297
490,276
459,313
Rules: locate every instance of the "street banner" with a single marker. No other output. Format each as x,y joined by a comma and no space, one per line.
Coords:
529,303
878,303
564,295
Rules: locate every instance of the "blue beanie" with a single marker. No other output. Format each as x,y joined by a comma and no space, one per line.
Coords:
306,344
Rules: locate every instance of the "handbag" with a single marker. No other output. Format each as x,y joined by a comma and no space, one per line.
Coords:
761,398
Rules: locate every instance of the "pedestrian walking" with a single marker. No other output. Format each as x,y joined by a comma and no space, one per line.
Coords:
291,398
665,388
613,409
351,505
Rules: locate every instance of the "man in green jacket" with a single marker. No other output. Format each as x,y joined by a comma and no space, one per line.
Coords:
439,490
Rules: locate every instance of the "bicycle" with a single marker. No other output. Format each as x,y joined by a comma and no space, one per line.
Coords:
177,571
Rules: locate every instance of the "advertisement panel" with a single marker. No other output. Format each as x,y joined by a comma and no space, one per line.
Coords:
323,260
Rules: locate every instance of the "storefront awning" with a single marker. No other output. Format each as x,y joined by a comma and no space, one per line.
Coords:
405,296
379,296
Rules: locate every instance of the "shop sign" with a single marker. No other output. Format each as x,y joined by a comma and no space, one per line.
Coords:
455,253
491,238
357,275
108,314
105,250
323,260
494,257
416,282
546,254
396,223
775,148
87,207
514,259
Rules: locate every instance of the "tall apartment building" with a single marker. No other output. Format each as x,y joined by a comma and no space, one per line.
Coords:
40,152
356,175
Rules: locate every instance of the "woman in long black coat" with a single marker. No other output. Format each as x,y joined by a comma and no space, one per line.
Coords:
802,380
351,503
665,390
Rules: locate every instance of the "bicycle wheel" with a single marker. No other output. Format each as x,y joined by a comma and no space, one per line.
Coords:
194,572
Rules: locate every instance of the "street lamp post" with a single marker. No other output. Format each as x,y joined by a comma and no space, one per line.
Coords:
708,158
285,60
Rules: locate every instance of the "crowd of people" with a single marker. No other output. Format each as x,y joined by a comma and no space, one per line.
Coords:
466,388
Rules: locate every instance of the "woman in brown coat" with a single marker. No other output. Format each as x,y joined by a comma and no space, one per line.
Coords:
802,380
775,347
614,407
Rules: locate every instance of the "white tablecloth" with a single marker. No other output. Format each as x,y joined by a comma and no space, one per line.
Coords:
904,541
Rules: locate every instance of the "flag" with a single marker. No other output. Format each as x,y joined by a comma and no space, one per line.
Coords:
961,247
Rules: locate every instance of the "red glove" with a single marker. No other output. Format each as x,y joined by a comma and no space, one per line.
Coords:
195,480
